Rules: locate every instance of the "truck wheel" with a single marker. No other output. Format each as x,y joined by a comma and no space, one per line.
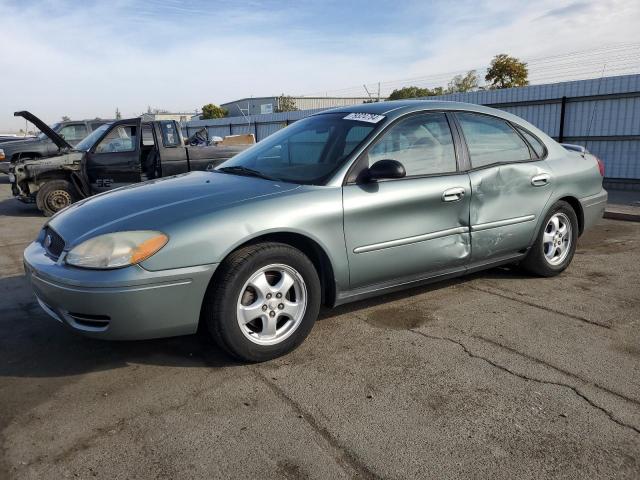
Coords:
555,243
55,195
263,301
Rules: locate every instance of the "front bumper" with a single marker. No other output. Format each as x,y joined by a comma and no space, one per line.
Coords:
123,304
593,208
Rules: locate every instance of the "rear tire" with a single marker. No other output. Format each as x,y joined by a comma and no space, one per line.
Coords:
262,302
555,243
55,195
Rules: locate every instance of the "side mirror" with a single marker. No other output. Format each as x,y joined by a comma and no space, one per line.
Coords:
384,169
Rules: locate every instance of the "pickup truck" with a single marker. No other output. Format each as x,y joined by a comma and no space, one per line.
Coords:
42,145
115,154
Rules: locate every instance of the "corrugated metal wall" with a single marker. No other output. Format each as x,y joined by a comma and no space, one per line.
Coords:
601,114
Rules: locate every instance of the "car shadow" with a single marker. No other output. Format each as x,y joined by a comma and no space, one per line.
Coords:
34,345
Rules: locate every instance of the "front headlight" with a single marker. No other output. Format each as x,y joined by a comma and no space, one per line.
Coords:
119,249
1,154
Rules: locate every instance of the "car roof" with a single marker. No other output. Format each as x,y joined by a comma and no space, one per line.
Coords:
396,108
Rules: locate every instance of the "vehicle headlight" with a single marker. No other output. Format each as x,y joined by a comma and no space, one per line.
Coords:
1,154
119,249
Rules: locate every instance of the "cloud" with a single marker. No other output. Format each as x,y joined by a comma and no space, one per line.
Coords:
84,59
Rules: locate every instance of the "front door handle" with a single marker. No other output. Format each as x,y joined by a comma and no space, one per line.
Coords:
540,180
453,194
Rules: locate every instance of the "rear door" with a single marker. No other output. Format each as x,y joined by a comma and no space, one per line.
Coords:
510,186
414,227
114,160
171,149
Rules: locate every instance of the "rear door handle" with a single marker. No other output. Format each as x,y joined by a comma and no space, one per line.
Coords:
540,180
453,194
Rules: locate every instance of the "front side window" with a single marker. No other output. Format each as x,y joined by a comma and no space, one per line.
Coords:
491,140
422,144
307,151
73,132
121,139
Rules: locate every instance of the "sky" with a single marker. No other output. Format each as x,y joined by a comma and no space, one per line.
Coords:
84,58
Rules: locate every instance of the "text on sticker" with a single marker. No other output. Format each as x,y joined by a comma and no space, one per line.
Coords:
364,117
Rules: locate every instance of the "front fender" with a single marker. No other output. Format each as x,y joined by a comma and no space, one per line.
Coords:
313,212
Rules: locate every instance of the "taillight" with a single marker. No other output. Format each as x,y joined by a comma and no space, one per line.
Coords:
600,166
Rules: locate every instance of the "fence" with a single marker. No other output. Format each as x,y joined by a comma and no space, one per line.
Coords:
601,114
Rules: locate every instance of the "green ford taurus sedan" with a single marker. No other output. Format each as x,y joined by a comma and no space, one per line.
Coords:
340,206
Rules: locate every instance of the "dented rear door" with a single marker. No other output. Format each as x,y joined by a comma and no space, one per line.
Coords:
510,187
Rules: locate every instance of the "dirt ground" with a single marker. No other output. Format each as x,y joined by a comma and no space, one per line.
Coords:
496,375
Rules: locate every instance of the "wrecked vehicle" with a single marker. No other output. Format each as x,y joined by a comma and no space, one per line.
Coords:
65,136
340,206
115,154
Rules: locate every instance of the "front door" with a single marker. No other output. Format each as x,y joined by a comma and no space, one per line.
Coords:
510,186
114,160
417,226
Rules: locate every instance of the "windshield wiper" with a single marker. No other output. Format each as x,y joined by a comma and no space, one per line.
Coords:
240,170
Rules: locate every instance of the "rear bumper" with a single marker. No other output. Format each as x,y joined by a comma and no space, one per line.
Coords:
123,304
593,208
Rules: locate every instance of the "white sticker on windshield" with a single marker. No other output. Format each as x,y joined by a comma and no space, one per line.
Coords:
364,117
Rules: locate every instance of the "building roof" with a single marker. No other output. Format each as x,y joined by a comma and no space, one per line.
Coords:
248,99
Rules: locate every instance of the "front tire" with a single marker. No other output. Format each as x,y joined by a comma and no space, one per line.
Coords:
54,196
555,243
263,301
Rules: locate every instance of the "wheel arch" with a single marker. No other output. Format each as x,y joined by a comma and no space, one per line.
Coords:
307,245
23,155
577,207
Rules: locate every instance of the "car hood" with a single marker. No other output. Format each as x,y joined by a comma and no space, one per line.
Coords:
44,128
159,204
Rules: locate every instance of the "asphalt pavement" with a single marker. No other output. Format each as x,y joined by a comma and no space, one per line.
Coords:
496,375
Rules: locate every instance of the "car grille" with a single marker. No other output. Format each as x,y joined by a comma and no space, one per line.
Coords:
52,242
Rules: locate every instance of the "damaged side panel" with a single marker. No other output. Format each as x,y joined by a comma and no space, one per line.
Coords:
505,207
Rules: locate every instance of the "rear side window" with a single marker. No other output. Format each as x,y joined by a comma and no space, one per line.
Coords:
536,144
422,144
170,137
74,132
491,140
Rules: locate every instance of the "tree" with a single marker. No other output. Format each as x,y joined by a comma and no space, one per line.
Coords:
65,118
286,103
506,72
210,111
464,83
118,114
415,92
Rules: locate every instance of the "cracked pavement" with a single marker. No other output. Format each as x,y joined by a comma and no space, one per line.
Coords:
496,375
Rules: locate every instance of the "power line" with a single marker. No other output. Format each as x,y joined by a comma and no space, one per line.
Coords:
619,58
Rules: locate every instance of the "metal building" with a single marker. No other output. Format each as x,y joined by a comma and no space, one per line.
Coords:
266,105
601,114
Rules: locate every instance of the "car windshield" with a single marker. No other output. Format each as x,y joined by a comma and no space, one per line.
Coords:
55,127
307,152
88,141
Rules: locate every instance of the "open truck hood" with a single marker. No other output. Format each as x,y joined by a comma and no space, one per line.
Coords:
44,128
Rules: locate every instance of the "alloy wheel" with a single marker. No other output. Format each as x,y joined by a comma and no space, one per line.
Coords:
271,305
557,239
